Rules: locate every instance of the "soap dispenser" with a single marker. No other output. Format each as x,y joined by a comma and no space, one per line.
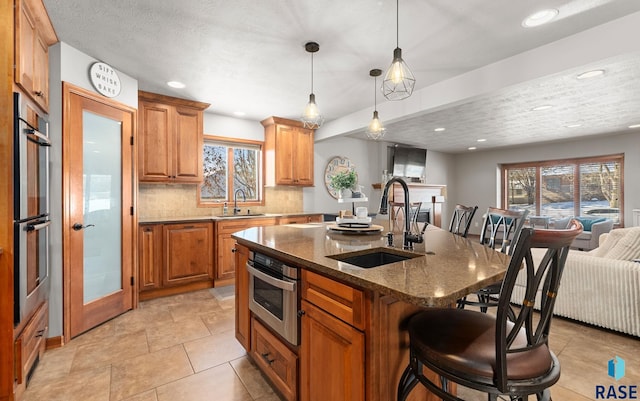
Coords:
225,209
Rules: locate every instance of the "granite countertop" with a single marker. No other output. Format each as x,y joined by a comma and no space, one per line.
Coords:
447,267
217,218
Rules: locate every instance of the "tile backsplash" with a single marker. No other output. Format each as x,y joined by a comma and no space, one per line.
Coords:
181,200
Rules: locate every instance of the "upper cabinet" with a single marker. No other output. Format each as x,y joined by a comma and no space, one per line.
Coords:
288,152
34,34
171,139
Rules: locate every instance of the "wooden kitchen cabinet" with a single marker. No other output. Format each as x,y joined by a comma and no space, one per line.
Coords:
225,270
171,139
174,258
301,219
288,149
243,315
334,322
30,346
276,360
34,34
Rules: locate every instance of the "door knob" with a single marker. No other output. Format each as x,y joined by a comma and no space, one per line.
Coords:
78,226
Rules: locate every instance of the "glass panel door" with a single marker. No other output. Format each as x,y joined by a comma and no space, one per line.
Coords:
102,206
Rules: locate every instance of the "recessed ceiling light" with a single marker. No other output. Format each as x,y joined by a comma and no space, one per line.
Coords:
573,125
482,140
472,148
543,107
239,113
590,74
440,129
176,84
634,126
540,18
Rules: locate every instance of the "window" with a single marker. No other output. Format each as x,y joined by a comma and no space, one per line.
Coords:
561,188
230,167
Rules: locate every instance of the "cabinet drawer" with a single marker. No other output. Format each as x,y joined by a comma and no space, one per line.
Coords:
342,301
31,343
277,361
239,224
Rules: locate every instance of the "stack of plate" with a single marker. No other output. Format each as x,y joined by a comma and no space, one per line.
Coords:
353,222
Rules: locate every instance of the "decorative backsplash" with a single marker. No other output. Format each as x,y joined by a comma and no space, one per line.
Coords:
175,200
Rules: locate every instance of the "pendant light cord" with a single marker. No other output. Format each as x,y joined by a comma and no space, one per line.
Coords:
375,93
311,72
397,23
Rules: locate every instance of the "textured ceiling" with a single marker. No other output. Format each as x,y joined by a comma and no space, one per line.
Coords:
248,55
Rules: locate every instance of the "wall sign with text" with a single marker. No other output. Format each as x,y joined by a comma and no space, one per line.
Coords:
105,79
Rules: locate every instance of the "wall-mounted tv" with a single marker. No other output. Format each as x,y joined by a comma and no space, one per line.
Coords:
408,162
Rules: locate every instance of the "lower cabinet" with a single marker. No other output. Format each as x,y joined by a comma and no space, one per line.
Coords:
332,352
174,257
243,315
30,346
225,260
275,360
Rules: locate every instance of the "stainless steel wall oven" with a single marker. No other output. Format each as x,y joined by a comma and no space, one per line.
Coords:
273,295
31,208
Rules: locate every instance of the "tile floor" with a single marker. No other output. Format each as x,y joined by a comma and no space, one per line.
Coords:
183,348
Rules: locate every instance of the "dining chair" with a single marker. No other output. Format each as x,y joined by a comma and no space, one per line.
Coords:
499,229
493,353
461,219
398,214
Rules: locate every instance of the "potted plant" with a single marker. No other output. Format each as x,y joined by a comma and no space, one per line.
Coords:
343,180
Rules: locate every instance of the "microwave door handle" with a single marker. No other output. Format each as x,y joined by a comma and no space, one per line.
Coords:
283,285
39,226
40,138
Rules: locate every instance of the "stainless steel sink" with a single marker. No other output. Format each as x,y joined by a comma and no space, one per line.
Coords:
241,215
373,257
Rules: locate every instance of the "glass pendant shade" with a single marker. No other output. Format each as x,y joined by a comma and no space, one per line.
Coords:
375,130
398,82
311,117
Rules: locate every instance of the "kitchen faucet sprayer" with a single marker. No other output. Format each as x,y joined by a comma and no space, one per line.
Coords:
236,209
409,238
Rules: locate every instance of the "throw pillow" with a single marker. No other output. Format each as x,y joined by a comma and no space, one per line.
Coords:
587,222
627,247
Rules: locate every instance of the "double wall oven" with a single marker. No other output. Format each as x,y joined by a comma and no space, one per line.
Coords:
273,295
31,208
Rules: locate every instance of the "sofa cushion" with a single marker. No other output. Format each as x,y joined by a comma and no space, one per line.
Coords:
625,244
587,222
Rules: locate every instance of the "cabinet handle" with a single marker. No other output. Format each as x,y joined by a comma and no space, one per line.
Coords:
39,93
301,313
40,333
188,226
265,356
234,250
147,230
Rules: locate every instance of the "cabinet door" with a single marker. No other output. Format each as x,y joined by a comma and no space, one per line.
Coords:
303,158
156,136
285,148
41,72
243,316
149,257
188,253
187,152
332,358
226,267
25,40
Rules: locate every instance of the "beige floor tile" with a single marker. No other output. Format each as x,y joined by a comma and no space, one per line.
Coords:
194,308
140,319
213,350
219,383
253,380
136,375
86,385
220,321
99,333
169,334
54,365
116,348
145,396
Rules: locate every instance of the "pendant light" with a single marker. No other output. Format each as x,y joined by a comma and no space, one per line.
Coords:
311,116
375,130
398,81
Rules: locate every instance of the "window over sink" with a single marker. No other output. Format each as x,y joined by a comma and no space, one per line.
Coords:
229,166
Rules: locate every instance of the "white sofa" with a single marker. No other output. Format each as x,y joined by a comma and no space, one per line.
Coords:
600,287
594,227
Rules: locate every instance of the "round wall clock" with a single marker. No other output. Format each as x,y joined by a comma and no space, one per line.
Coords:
336,165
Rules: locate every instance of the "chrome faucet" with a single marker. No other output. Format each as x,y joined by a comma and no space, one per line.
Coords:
409,238
236,209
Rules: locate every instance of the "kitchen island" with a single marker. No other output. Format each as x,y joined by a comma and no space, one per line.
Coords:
353,344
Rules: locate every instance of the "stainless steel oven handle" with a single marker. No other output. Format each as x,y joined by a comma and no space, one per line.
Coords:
283,285
40,138
40,226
